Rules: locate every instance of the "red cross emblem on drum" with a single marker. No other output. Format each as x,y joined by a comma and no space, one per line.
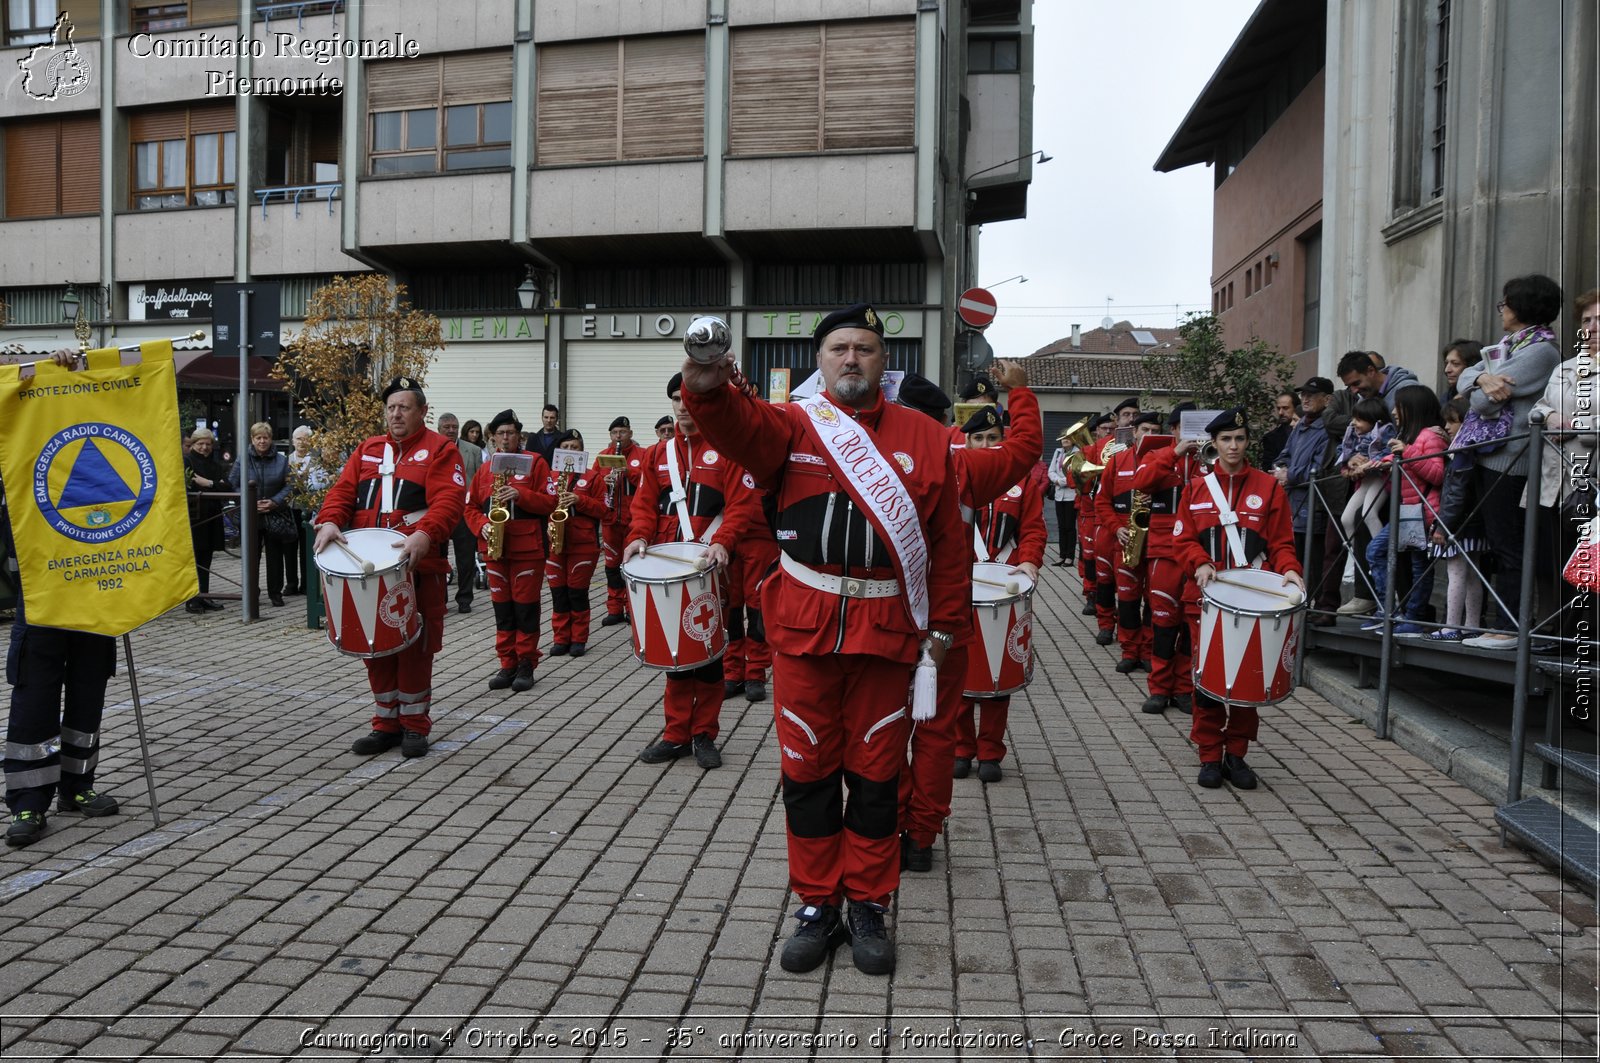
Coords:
398,605
700,618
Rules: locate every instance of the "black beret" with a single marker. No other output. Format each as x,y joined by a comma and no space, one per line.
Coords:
674,384
979,387
504,417
1176,416
1104,418
405,383
1126,404
1228,421
1149,417
858,316
982,421
923,395
621,422
664,420
569,435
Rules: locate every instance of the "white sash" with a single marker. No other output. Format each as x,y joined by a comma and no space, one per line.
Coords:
874,483
679,498
1229,519
979,547
386,470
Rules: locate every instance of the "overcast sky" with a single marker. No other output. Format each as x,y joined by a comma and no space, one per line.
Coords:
1113,78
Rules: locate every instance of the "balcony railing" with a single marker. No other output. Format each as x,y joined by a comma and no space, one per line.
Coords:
300,9
328,190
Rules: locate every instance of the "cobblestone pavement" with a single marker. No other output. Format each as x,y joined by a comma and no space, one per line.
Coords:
529,889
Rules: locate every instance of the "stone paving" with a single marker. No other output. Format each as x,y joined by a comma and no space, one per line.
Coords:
529,890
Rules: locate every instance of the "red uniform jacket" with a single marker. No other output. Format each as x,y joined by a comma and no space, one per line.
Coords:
427,477
817,524
1264,523
536,497
1161,476
621,509
1114,499
583,522
985,475
712,480
1015,520
1088,487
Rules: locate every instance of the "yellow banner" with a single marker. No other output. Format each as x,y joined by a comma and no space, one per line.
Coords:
93,470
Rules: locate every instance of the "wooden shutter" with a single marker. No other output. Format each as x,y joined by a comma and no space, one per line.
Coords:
775,105
869,85
146,126
80,164
218,119
402,83
204,12
577,103
32,170
477,77
663,97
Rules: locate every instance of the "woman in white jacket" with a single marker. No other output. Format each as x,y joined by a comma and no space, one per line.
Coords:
1066,498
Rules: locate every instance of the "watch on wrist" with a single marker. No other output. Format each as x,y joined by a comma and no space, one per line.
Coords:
944,638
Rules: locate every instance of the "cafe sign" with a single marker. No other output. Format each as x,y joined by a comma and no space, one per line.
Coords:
170,300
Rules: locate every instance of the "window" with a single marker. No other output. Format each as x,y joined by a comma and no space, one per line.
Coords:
53,167
1422,81
823,87
29,21
633,98
437,115
1311,313
302,145
994,55
183,158
161,15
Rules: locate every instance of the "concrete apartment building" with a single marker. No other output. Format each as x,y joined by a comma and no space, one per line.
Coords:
620,165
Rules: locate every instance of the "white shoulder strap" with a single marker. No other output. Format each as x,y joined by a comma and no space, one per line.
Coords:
679,499
1229,519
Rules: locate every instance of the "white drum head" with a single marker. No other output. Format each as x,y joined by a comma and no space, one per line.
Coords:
1252,591
380,546
996,579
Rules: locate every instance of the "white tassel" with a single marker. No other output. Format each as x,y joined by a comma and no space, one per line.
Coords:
925,688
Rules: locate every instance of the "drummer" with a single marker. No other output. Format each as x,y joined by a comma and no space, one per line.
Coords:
513,577
1008,530
689,492
408,479
1234,517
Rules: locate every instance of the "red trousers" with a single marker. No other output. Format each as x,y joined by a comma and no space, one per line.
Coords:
986,740
841,724
1086,538
402,683
613,539
1133,630
748,656
569,575
1169,640
693,703
514,589
926,783
1107,551
1216,728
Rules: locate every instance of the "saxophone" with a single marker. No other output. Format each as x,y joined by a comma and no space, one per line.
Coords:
1138,529
498,515
558,519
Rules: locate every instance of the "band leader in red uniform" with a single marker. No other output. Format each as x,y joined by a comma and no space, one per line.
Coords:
570,572
1235,517
621,485
514,577
872,577
1162,475
408,479
690,492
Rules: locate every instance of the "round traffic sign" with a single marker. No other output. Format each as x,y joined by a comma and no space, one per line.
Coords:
976,307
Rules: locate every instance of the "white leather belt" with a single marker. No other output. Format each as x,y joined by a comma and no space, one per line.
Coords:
843,586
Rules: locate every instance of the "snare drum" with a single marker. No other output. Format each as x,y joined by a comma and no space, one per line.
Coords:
675,609
1000,662
369,614
1248,636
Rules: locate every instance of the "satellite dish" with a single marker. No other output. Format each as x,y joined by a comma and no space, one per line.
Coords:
1106,322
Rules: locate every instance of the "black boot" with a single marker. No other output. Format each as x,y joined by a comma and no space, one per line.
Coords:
502,679
870,946
819,933
1155,704
523,680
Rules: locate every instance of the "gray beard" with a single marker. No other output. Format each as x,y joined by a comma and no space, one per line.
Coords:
852,388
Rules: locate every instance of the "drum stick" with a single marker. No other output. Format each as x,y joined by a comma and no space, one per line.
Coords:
1292,599
1012,587
699,564
366,566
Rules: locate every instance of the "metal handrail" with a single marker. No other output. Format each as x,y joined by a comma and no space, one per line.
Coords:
299,7
298,193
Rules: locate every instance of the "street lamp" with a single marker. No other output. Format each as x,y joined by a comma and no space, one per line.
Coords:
528,291
1019,278
1042,159
72,311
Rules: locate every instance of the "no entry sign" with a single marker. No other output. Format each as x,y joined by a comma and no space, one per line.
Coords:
976,307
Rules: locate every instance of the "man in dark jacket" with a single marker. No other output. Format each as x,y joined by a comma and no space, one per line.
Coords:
1308,456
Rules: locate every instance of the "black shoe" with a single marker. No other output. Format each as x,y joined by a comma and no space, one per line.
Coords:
819,933
1184,703
1155,704
870,946
989,771
502,679
1128,665
561,649
1144,666
1062,564
275,599
755,690
962,769
731,687
290,592
413,744
705,752
523,679
1236,771
26,827
1088,609
463,605
579,649
1105,636
1210,774
210,606
661,751
613,619
376,742
88,803
193,605
913,857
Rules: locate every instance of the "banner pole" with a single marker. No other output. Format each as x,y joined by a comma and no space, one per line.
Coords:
138,719
248,604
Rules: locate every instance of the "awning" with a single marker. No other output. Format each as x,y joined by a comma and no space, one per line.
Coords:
203,369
